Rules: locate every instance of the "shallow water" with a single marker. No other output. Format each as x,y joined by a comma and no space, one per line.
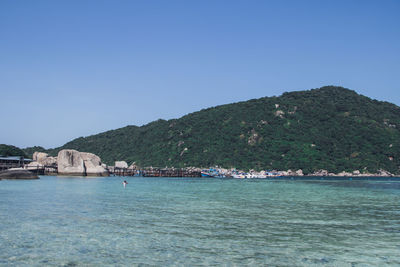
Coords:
199,221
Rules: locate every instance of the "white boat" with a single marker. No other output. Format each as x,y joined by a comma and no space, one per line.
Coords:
238,176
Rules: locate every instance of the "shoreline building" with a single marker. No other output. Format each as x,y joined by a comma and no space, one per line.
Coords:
13,162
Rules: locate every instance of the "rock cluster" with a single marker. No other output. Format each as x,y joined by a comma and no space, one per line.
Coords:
280,113
93,165
254,137
121,164
380,173
41,159
72,162
292,173
38,156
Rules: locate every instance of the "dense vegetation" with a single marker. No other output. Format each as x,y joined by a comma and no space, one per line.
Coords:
7,150
30,150
330,128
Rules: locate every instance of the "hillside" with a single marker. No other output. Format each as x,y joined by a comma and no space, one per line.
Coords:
30,150
329,128
8,150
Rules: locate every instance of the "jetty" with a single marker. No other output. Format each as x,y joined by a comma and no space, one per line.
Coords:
43,169
155,172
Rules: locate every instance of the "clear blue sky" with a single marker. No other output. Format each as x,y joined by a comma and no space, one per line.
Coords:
76,68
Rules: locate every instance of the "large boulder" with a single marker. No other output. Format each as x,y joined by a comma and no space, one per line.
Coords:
39,156
70,162
18,174
384,173
49,161
121,164
93,165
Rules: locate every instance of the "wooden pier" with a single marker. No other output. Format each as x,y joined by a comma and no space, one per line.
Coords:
122,171
43,170
155,172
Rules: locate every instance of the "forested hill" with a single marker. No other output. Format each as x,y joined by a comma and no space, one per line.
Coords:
8,150
330,128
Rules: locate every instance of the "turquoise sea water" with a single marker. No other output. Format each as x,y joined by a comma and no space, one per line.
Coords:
199,221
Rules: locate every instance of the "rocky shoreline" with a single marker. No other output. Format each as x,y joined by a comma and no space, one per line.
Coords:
356,173
299,173
71,162
17,174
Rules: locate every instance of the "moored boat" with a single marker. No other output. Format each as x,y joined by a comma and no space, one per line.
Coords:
239,176
212,173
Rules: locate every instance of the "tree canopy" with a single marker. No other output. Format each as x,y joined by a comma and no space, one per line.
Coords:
8,150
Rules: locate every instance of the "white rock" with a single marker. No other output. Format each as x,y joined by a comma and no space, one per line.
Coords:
279,113
121,164
345,174
49,161
38,156
384,173
43,159
70,162
290,172
93,166
33,164
323,173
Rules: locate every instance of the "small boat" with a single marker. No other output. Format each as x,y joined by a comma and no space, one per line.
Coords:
212,173
239,176
205,174
273,174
